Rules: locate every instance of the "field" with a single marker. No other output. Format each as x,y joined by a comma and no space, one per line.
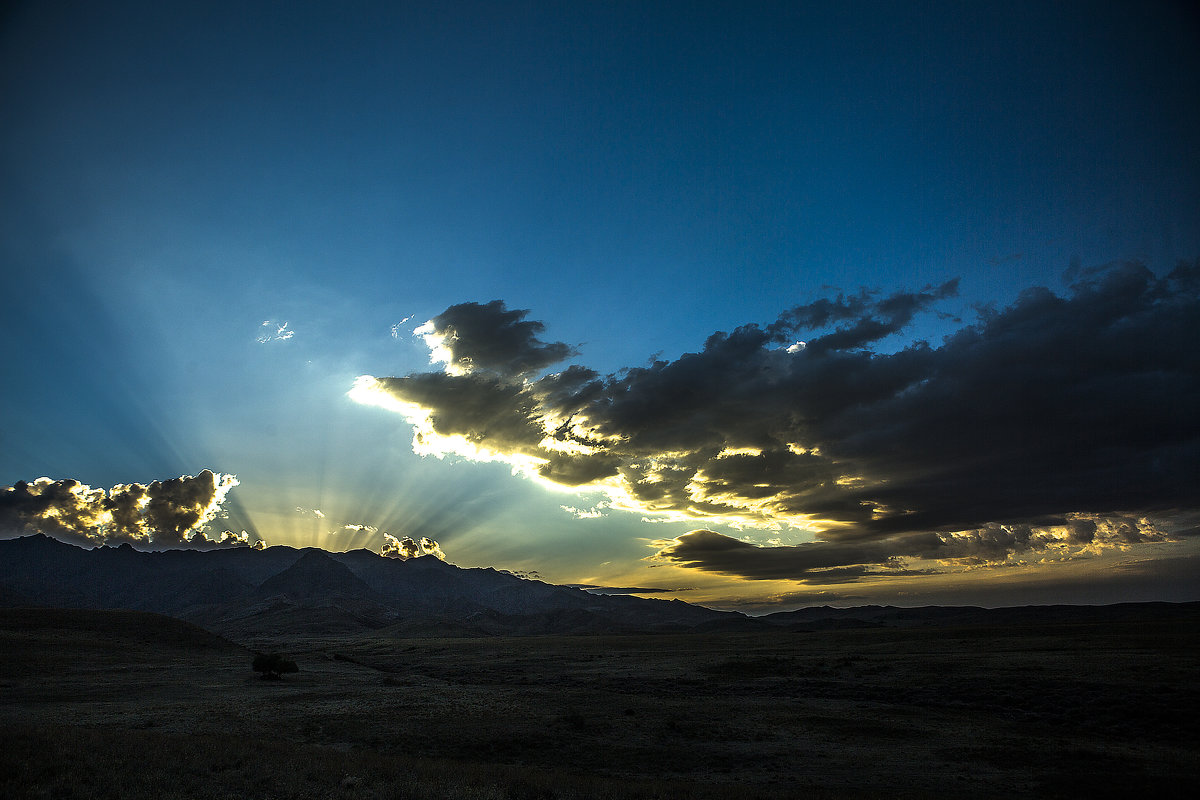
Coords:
122,704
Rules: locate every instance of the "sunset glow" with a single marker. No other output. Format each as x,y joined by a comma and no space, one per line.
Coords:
751,307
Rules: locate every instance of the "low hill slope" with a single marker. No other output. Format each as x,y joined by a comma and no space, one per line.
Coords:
110,628
42,648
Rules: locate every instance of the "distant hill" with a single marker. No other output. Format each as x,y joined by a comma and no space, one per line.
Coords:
244,593
281,591
828,618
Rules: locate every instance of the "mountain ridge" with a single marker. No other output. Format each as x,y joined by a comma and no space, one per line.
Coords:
247,594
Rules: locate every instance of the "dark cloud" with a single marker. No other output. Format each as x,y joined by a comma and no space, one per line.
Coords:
864,319
481,408
714,552
1062,420
167,513
840,561
490,337
591,589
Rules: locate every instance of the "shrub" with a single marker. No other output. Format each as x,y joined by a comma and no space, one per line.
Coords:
273,666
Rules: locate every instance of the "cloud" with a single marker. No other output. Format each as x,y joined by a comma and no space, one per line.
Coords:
396,328
848,560
862,318
525,575
406,548
470,337
596,512
1058,413
403,547
592,589
231,539
272,331
167,513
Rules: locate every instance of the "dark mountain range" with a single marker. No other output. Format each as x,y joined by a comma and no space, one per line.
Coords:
282,591
316,577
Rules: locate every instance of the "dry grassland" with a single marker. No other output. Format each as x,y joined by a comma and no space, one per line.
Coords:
124,705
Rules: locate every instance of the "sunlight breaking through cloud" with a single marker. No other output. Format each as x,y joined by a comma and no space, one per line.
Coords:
173,512
988,445
834,561
405,548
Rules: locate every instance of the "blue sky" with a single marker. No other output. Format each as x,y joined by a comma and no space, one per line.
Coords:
638,176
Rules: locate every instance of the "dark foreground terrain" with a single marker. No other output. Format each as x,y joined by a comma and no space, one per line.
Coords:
99,704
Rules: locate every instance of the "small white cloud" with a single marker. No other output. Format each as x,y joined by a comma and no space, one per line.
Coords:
585,513
273,331
396,327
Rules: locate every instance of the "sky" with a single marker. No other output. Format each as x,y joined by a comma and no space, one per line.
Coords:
757,306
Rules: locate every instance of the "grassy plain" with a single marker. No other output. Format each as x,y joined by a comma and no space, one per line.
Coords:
125,705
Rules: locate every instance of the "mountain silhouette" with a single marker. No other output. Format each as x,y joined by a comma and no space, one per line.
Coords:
244,593
249,595
316,577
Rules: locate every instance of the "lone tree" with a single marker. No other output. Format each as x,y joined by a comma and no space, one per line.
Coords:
273,666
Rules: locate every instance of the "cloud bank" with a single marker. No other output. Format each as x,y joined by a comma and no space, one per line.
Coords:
1034,426
844,560
166,513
